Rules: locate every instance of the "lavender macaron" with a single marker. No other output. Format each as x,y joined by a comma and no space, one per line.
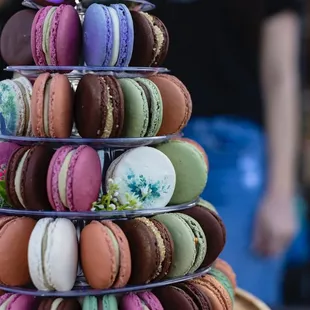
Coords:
139,301
108,35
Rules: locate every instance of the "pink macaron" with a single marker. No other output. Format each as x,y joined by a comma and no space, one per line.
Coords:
140,300
74,178
17,302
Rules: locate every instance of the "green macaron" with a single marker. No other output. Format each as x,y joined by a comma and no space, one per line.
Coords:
190,167
190,244
203,203
109,302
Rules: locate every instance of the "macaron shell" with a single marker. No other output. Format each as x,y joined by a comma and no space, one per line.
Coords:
191,170
177,103
124,272
109,302
184,243
16,271
69,35
224,267
151,301
214,230
131,302
98,257
136,109
84,179
22,302
60,107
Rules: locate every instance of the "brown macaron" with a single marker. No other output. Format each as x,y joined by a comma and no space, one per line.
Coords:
14,238
151,41
99,107
52,106
214,230
151,249
26,177
177,103
63,304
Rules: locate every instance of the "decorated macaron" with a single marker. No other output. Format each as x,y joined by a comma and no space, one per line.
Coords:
26,178
17,302
184,296
190,167
152,249
213,228
56,36
15,118
15,39
59,303
74,178
108,35
143,108
177,103
15,231
151,40
99,99
106,302
143,300
105,255
140,178
53,258
6,150
190,244
52,106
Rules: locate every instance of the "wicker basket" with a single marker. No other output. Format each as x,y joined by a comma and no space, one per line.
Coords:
246,301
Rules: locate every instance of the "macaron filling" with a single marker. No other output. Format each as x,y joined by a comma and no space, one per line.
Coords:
116,37
160,244
46,105
18,178
108,126
46,34
115,247
56,303
7,302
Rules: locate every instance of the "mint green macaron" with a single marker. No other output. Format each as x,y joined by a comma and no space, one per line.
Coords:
190,167
190,244
109,302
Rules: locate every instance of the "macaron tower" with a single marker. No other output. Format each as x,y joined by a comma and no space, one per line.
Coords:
100,204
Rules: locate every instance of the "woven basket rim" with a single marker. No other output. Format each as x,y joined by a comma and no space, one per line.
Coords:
248,297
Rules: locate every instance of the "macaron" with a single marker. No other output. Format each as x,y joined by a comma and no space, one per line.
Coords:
140,301
173,297
108,35
26,177
143,108
216,292
59,304
16,39
152,249
15,107
206,204
225,268
213,228
6,151
99,99
52,106
105,255
107,302
53,254
56,36
74,178
17,302
143,175
190,167
190,244
151,40
177,103
15,231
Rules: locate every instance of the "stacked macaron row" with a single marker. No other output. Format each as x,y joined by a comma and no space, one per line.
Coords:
111,254
141,107
110,36
74,179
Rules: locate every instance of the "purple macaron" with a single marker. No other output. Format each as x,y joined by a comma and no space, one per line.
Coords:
138,301
18,302
108,35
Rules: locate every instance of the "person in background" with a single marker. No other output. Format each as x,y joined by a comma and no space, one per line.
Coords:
240,62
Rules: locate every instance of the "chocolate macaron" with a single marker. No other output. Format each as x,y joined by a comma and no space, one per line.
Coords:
151,40
60,304
151,247
214,230
99,99
26,178
16,39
